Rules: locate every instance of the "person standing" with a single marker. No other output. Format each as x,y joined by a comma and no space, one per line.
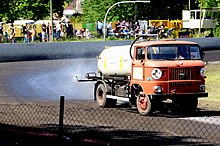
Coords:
58,31
12,33
33,34
69,30
100,28
1,33
25,33
152,28
44,32
48,31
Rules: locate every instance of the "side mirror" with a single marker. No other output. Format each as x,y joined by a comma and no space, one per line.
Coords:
202,54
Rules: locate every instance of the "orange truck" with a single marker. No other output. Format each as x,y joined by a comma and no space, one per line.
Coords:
148,73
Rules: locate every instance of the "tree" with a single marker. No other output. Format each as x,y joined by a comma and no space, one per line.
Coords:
157,9
29,9
209,4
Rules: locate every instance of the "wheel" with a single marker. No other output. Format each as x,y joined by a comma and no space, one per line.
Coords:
192,103
143,104
101,99
132,99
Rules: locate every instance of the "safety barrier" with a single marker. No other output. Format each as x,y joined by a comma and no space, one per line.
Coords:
64,50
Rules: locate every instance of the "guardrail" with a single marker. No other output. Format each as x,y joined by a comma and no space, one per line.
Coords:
62,50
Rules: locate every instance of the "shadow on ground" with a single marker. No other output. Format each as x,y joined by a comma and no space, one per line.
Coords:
90,136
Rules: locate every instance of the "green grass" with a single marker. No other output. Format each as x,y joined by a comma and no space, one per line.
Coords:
212,71
212,102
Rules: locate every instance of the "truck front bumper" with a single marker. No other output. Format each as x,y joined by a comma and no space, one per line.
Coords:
203,94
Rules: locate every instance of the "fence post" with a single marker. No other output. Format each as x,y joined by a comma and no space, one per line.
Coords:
60,132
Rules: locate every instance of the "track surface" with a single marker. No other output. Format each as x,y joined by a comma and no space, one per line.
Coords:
47,80
50,79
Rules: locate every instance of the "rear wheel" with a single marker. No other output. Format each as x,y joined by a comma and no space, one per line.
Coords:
101,98
143,104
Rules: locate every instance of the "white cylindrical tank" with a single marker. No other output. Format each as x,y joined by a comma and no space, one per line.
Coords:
115,61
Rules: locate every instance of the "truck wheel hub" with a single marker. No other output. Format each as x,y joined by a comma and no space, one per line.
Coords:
143,103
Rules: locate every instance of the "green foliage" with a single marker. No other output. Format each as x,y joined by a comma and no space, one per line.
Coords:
217,31
96,9
209,4
29,9
157,9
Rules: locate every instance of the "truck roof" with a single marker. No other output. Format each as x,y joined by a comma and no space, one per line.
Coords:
165,42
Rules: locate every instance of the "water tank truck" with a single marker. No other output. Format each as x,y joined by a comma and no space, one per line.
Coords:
147,73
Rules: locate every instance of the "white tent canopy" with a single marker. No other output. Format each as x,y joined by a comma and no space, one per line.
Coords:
46,21
21,22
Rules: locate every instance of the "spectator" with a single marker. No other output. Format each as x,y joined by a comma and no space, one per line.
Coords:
58,31
25,33
109,29
82,33
12,33
118,27
79,34
100,28
136,28
6,37
161,29
211,34
69,29
48,30
1,33
54,30
126,32
152,29
44,32
33,34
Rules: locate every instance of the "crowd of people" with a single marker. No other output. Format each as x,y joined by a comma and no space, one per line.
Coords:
65,29
36,32
128,29
43,32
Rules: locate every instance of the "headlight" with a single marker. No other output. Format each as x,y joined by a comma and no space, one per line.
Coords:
202,72
202,88
156,73
157,89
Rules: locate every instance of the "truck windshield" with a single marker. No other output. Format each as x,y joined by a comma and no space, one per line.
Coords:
173,52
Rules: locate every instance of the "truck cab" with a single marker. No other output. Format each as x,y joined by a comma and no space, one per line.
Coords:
167,69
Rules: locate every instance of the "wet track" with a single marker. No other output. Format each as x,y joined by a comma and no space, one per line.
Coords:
47,80
50,79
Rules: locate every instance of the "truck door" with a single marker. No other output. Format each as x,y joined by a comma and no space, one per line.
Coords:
138,63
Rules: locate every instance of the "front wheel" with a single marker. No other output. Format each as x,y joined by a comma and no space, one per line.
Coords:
143,104
101,98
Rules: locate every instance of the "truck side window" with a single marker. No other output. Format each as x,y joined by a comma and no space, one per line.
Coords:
140,55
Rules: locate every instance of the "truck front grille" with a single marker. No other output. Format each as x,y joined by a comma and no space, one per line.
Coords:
181,74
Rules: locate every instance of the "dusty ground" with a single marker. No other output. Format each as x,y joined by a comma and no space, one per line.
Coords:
209,104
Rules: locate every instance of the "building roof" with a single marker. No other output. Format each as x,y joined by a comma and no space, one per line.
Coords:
73,8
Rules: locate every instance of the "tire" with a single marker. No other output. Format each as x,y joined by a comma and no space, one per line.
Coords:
101,98
193,104
143,105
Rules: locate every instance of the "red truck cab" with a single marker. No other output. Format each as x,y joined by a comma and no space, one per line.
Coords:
167,69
